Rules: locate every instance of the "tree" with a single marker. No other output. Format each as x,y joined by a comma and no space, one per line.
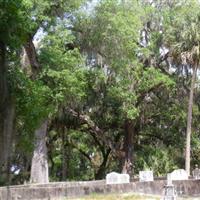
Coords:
184,47
115,46
15,23
43,14
21,20
105,90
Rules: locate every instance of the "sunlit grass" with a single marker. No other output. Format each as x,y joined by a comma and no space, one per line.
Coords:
127,196
118,197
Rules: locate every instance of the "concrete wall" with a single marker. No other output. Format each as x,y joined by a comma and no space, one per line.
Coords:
76,189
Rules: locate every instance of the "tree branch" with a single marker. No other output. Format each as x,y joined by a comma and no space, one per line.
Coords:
80,150
32,56
99,133
143,94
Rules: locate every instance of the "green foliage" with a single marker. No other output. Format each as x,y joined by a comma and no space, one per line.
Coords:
185,17
95,63
113,31
63,69
78,165
14,22
33,100
195,149
157,159
45,12
152,77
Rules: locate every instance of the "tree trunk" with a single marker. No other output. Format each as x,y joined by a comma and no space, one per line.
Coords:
3,77
39,167
7,115
3,95
32,57
64,156
189,121
101,172
8,137
128,147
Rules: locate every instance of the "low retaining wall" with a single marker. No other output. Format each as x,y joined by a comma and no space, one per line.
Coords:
76,189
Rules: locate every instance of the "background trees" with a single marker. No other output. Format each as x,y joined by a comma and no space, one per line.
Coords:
184,47
105,88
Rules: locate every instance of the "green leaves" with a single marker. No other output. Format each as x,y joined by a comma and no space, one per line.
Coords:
14,22
97,64
69,86
32,99
64,69
153,77
113,31
185,17
157,159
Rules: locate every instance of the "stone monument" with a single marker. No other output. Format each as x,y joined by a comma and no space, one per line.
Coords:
179,174
169,189
196,172
145,176
116,178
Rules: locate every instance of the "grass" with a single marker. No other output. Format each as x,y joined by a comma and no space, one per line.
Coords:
127,196
118,197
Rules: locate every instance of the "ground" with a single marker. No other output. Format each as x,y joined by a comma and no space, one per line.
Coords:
119,197
113,197
126,197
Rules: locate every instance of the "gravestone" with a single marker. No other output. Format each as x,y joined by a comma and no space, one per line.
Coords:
169,179
179,174
116,178
169,189
196,172
145,176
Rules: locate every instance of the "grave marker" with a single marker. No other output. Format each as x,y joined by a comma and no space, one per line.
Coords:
179,174
116,178
145,176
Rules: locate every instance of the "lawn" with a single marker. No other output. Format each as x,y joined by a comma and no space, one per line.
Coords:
126,197
119,197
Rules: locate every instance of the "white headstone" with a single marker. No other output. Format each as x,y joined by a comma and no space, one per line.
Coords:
196,172
169,179
116,178
146,176
179,174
